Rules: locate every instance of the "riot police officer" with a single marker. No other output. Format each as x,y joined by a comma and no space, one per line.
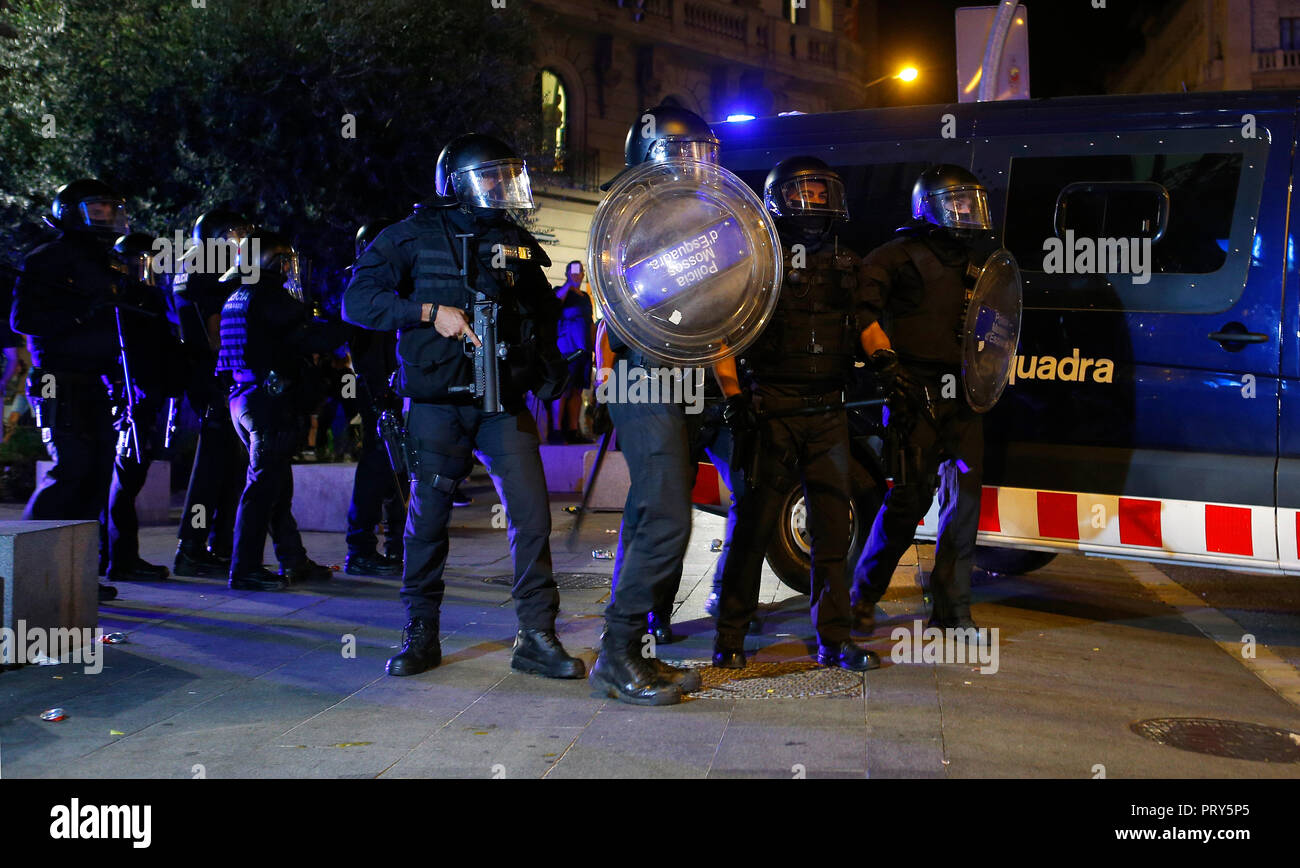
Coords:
63,303
152,371
656,440
797,371
418,277
204,538
915,290
267,336
375,493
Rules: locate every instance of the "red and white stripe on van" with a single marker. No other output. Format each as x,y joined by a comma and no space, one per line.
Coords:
1229,535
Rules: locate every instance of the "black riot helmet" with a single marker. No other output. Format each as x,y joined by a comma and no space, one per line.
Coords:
805,196
91,207
367,234
950,197
668,132
481,171
136,251
274,258
220,223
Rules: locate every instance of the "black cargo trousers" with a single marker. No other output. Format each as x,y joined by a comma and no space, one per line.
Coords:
129,475
655,439
445,437
934,465
81,444
212,496
814,451
374,494
271,428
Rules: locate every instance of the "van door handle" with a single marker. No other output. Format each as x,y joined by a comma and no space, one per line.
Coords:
1239,337
1233,337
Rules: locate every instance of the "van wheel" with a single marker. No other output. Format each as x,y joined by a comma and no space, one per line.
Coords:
789,554
1010,562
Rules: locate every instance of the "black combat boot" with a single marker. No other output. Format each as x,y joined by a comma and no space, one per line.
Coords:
659,626
622,673
846,655
725,657
140,571
372,564
539,652
420,648
687,679
107,592
199,562
260,579
308,571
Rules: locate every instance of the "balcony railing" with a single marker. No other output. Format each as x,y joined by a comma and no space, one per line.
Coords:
1276,59
717,20
744,32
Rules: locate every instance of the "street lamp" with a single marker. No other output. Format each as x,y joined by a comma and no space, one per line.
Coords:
907,73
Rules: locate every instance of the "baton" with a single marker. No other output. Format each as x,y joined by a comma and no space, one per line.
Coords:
130,385
590,487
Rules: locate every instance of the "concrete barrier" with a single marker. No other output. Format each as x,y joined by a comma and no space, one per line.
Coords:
153,503
48,574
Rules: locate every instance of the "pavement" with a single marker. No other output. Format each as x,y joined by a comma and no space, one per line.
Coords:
228,684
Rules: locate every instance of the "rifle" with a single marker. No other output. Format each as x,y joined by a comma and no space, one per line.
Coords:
489,353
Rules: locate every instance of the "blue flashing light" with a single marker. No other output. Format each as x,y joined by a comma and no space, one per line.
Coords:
739,118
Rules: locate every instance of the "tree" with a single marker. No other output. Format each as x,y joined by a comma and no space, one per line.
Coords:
310,116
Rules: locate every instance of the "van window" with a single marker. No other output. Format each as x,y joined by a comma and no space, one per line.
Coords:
1123,195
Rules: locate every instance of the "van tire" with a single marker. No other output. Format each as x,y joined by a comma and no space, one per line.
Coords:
1010,562
787,558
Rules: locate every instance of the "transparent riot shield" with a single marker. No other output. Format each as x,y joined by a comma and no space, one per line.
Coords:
685,262
991,331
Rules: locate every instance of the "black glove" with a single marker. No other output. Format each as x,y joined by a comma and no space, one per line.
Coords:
738,413
555,379
905,393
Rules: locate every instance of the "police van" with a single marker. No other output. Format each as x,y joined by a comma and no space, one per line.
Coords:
1153,410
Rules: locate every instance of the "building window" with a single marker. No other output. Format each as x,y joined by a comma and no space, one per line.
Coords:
555,122
1289,33
795,12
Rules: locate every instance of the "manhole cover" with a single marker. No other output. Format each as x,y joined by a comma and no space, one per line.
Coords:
1226,738
794,679
565,581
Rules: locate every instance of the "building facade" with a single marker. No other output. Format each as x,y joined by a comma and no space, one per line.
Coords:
1217,45
601,62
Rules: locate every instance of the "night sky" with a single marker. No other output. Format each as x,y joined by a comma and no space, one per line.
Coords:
1072,46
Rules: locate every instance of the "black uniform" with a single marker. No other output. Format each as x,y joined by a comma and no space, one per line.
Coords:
375,496
266,338
157,368
655,438
72,338
418,261
801,360
916,286
212,496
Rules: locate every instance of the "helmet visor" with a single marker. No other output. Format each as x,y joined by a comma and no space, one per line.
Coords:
501,184
810,195
109,214
673,148
960,208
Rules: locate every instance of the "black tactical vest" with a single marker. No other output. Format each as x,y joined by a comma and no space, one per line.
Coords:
929,328
812,338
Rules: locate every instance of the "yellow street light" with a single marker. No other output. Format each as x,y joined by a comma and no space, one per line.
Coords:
907,73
